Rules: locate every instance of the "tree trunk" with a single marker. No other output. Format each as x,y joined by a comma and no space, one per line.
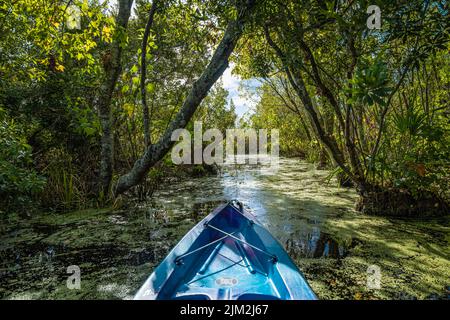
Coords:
328,122
296,80
145,113
112,67
199,90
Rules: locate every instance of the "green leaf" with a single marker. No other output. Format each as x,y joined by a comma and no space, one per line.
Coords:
150,87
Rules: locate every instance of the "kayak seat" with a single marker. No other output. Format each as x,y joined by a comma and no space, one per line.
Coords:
256,296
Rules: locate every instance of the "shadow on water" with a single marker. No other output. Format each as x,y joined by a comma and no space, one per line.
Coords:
299,244
315,246
114,250
331,244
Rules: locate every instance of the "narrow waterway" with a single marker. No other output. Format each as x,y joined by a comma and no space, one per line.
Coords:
334,246
292,201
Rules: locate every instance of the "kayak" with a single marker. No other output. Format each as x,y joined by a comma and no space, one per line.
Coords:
228,255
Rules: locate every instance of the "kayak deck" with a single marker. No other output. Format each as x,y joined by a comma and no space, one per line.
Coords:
224,271
227,256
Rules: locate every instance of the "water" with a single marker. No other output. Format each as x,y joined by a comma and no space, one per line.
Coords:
117,249
292,202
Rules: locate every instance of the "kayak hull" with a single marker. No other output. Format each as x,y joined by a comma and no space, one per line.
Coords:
228,255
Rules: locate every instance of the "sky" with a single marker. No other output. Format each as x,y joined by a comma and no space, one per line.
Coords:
243,100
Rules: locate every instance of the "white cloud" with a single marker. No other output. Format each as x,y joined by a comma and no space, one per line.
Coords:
232,83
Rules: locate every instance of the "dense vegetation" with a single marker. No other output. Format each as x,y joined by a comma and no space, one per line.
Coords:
55,81
86,113
376,100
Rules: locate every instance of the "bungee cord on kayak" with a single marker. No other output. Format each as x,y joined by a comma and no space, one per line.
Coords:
204,265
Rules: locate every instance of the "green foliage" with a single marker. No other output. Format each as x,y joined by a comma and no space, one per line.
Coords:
51,76
19,182
84,121
412,122
68,183
420,163
380,97
214,113
270,113
370,84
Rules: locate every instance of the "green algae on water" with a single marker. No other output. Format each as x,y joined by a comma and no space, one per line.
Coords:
314,219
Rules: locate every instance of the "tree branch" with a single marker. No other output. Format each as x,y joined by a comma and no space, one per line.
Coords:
297,82
199,90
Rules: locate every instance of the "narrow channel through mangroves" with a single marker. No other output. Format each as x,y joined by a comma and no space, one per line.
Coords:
313,218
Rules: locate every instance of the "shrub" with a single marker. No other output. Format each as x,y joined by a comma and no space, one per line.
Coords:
19,183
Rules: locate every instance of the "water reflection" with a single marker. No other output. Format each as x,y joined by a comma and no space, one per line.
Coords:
316,245
292,204
117,250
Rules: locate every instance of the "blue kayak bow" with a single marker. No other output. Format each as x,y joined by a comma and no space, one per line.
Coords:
228,255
